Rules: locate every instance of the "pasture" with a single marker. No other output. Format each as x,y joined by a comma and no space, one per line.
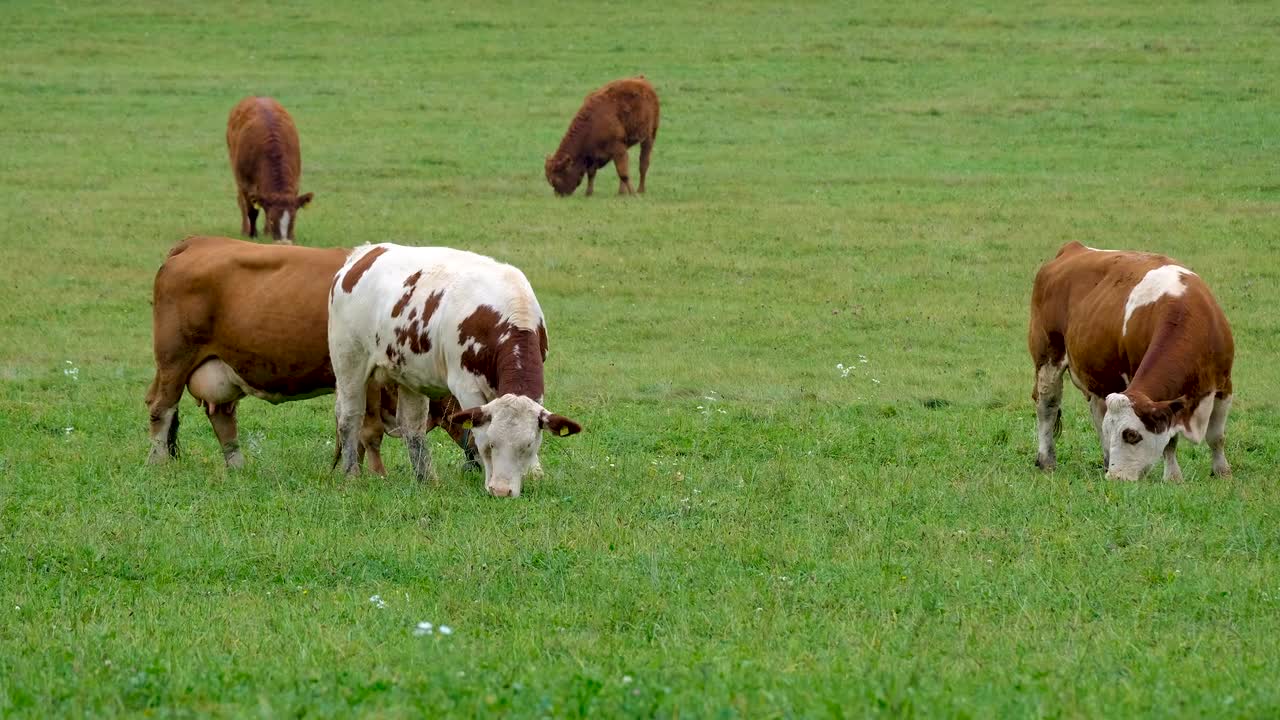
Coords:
806,484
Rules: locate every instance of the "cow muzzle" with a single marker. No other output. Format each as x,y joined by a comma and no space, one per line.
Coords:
503,490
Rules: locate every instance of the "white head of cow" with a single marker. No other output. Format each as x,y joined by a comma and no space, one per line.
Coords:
508,434
1136,431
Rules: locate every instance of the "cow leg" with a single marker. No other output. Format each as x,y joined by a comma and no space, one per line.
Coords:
620,164
591,180
1098,412
372,428
248,215
162,405
349,407
646,149
412,412
223,419
1216,435
1172,473
1048,397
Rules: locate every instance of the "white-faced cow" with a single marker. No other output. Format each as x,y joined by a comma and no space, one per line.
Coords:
1146,342
232,318
437,321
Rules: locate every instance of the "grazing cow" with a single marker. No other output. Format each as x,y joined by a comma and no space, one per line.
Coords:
233,318
266,161
611,119
437,321
1146,342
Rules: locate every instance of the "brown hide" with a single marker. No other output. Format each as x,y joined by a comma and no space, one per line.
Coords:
260,309
266,161
611,119
1175,347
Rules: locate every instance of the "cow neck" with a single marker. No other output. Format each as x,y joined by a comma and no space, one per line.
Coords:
518,364
1164,371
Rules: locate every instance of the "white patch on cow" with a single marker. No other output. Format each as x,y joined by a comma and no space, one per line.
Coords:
1198,423
1094,249
1129,460
1164,280
1125,378
505,336
515,353
284,225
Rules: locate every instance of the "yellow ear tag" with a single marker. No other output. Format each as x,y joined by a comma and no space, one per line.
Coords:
466,425
564,431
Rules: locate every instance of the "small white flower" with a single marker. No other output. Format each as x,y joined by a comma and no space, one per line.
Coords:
424,628
446,630
875,381
626,679
700,407
67,430
378,602
839,366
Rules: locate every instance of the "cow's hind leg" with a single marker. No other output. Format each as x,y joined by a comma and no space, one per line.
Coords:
349,407
1048,397
162,406
1172,473
620,164
1216,435
646,149
412,411
222,417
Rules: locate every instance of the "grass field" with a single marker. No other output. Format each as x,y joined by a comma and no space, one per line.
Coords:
805,488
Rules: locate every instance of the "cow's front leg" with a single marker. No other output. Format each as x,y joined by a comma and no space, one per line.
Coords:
1048,397
591,179
223,419
411,414
1098,413
1216,435
1172,473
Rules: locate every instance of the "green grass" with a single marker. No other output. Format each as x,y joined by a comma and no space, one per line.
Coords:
741,531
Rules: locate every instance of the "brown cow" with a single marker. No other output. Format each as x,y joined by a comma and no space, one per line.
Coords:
1148,345
233,318
611,119
266,161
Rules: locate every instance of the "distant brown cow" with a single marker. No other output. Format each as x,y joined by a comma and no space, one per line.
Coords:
1147,344
611,119
266,161
233,318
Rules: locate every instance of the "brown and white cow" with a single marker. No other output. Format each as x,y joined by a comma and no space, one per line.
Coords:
437,321
1146,342
266,160
232,318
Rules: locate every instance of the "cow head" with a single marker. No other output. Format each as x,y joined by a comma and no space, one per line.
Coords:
508,434
563,173
282,214
1136,430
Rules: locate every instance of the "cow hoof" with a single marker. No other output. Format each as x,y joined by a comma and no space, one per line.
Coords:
235,460
1223,470
1047,464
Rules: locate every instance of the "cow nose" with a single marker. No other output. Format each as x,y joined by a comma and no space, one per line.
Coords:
499,491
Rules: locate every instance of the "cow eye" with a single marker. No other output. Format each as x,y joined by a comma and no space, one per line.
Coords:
1131,436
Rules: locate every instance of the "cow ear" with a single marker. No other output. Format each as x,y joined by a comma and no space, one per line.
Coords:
305,200
469,418
559,425
1176,406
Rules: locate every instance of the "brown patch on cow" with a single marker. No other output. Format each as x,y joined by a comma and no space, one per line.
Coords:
414,334
361,266
508,357
410,284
